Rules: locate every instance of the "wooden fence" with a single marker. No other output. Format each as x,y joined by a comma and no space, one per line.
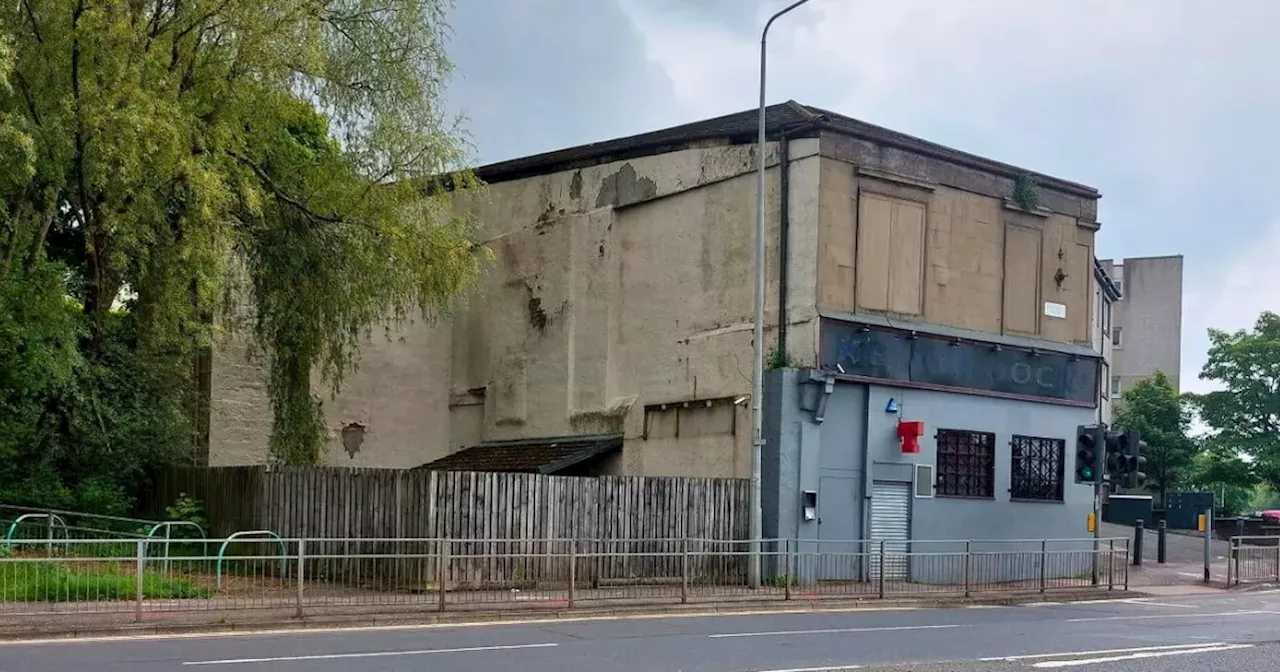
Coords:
509,529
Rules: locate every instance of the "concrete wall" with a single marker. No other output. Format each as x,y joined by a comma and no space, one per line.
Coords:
832,457
926,241
619,293
1149,317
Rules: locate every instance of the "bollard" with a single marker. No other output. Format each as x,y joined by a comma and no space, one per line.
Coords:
1207,526
1137,543
1161,531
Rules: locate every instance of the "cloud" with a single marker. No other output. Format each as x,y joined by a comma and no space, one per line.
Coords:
1246,287
1164,106
536,75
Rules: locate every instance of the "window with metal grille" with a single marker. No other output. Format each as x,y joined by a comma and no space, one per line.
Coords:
1037,468
966,463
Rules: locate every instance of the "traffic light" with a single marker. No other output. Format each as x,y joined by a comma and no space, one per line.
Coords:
1134,446
1089,455
1115,457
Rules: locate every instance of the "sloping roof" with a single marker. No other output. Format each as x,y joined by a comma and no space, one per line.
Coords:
791,117
542,456
1108,285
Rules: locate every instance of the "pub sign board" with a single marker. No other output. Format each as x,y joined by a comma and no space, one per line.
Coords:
930,360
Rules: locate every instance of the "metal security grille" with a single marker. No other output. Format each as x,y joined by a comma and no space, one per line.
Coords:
1037,469
966,463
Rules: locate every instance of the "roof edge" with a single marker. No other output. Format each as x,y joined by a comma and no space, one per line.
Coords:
740,128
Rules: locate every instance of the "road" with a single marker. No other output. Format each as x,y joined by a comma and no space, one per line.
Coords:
1240,632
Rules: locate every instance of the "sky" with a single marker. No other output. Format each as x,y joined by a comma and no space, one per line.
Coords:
1166,106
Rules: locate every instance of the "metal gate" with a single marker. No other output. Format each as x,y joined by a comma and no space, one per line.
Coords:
890,523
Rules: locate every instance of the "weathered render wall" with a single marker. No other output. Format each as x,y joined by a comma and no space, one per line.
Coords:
619,299
1148,317
914,237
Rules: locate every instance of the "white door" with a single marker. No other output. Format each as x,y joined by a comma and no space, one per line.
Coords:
891,523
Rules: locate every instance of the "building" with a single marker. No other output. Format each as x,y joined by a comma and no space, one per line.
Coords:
907,283
1105,296
1146,330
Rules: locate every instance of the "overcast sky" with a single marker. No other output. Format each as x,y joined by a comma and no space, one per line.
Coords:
1169,107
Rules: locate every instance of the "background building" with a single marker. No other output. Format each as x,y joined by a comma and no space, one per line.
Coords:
1146,327
1105,295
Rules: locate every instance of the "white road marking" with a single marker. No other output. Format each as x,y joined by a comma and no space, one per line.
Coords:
1101,652
1227,614
829,631
372,654
1144,603
1051,664
836,668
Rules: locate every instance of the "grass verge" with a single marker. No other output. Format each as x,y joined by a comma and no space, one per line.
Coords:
58,582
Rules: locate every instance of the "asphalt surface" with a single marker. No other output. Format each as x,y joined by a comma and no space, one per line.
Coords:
1230,631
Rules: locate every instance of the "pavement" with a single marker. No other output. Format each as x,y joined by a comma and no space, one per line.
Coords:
1237,631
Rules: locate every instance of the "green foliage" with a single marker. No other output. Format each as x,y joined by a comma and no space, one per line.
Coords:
1026,193
188,510
1244,416
78,432
1153,408
267,166
1222,471
778,359
58,582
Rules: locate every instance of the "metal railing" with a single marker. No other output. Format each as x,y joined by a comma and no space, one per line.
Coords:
1254,559
320,576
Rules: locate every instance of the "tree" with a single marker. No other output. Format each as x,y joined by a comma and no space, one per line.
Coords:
169,165
1244,415
1154,409
1222,471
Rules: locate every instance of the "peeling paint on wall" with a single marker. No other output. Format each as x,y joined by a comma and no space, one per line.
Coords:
353,438
624,188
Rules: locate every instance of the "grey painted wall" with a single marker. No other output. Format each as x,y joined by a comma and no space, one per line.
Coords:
831,457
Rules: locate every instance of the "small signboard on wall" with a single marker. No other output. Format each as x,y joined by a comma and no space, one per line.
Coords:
1057,310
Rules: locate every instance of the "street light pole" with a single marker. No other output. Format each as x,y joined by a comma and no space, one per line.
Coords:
757,393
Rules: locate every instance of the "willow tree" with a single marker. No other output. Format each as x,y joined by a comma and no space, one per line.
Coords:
290,155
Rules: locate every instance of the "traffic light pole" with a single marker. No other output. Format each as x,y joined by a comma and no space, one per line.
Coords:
1097,527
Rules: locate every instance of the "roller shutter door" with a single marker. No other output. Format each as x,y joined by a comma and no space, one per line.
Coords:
891,523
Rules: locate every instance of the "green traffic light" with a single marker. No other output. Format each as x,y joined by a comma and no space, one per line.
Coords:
1087,473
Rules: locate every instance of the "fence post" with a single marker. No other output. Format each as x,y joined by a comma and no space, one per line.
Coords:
442,570
968,565
137,583
1044,562
573,569
788,569
684,570
48,550
1126,565
882,569
301,575
1111,565
1237,545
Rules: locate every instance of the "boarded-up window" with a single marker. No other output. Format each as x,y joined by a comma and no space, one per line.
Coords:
890,264
1022,278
